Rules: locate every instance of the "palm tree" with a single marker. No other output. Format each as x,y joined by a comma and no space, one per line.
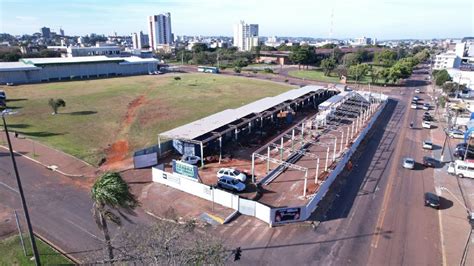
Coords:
111,193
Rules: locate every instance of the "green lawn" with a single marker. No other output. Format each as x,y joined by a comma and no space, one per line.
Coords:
318,75
98,112
11,253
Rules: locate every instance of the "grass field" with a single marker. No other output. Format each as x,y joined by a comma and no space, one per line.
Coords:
98,113
11,253
318,75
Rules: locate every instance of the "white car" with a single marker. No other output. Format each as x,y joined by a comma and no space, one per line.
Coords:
456,134
416,98
427,144
426,124
426,106
414,106
417,91
408,163
191,159
236,174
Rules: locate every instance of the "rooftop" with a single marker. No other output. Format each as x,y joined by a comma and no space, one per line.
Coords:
14,66
70,60
207,124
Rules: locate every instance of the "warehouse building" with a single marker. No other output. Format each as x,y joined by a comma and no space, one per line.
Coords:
34,70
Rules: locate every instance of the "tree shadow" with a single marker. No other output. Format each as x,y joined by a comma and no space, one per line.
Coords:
40,134
17,100
81,113
3,154
18,126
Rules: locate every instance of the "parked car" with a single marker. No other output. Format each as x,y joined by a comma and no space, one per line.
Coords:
417,91
426,106
427,144
232,173
426,124
191,159
431,200
429,162
3,99
456,134
416,98
408,163
414,106
427,118
427,113
230,183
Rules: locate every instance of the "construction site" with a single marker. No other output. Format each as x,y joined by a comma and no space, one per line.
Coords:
290,147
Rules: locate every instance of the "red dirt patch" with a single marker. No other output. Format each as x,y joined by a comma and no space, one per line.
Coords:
131,111
117,152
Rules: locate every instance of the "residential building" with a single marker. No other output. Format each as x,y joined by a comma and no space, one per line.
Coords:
245,36
46,32
61,32
159,30
362,41
139,40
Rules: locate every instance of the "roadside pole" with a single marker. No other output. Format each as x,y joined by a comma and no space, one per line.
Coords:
19,232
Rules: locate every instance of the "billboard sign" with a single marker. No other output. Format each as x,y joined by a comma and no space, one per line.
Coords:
185,169
287,215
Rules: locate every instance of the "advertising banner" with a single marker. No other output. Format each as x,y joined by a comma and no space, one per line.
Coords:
287,215
185,169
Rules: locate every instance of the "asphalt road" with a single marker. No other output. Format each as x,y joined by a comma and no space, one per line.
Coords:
60,210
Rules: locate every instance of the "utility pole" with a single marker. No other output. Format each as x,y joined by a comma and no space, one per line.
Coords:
20,190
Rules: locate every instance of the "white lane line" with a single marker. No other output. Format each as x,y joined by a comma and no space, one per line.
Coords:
84,230
10,188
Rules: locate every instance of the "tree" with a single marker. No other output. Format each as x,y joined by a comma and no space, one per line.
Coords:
351,59
184,55
328,65
452,87
357,72
337,54
341,70
302,55
55,104
199,47
329,46
441,77
111,193
386,57
374,75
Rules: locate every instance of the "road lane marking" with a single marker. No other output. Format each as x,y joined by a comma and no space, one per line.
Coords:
84,230
10,188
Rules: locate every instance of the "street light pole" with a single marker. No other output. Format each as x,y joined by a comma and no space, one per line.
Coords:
22,196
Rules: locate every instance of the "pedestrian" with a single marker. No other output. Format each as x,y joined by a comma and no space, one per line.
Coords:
16,134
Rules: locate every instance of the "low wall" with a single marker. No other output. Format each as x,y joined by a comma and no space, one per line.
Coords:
222,197
313,203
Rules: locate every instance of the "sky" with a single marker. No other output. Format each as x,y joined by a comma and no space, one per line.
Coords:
381,19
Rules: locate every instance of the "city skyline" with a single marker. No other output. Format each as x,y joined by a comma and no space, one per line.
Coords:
395,19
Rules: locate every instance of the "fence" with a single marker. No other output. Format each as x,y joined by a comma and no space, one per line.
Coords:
313,203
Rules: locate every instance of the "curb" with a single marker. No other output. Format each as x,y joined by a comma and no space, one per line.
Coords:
58,249
50,167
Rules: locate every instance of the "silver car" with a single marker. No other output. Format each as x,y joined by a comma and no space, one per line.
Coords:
408,163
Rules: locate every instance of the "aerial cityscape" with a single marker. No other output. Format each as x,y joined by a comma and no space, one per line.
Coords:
245,132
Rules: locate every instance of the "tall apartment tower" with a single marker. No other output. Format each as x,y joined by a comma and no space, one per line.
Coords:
139,40
45,32
159,30
245,36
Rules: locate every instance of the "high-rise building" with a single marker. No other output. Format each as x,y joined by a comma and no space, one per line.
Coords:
46,32
61,32
159,30
245,36
139,40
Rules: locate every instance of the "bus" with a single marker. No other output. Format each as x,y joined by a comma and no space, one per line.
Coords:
208,69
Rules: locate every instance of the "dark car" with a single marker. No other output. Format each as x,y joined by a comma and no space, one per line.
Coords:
428,118
429,162
3,99
459,154
431,200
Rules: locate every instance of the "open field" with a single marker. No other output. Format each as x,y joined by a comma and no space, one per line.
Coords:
125,114
318,75
12,253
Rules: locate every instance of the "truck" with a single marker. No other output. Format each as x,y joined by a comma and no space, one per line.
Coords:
462,168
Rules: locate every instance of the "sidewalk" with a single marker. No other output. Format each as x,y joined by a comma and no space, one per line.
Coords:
65,163
454,226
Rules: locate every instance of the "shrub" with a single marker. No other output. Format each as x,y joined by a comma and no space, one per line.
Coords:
237,69
177,78
268,70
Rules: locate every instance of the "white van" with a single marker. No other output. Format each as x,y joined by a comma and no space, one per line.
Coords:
461,169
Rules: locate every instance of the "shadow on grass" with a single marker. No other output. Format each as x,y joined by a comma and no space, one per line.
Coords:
40,134
18,126
81,113
17,100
